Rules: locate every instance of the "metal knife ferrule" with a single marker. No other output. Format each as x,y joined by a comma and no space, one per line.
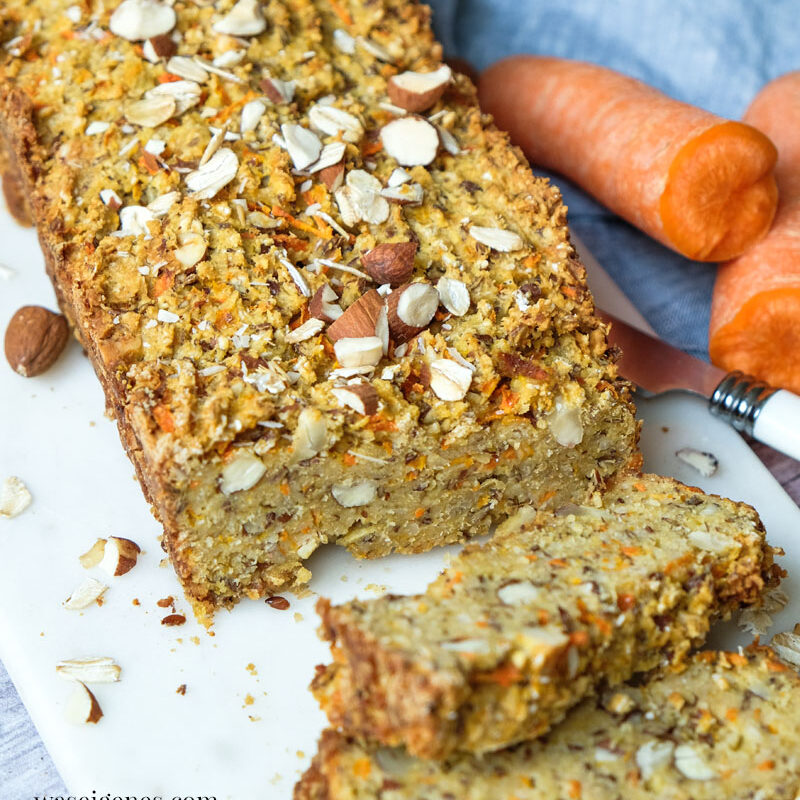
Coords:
739,399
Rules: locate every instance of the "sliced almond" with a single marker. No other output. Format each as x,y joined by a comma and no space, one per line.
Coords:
188,68
565,424
192,249
136,20
310,435
354,495
163,203
213,145
111,199
215,174
449,380
391,262
331,155
244,19
705,463
787,645
89,592
310,328
14,497
448,141
186,94
454,295
150,112
362,351
94,555
89,670
332,177
278,91
119,556
82,706
347,208
689,762
324,304
344,42
418,91
242,472
409,194
134,221
398,177
411,141
518,593
332,121
359,320
497,238
361,397
653,755
411,307
303,145
252,113
375,49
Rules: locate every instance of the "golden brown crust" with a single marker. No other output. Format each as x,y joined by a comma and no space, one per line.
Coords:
723,725
199,359
546,610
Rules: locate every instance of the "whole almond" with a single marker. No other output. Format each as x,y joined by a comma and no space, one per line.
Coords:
324,304
391,262
360,319
35,338
418,91
411,308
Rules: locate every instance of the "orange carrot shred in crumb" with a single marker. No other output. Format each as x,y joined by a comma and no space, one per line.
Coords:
163,416
574,789
505,676
362,768
767,765
341,12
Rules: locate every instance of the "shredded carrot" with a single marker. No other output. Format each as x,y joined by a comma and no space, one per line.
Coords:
767,765
163,283
371,148
169,77
378,422
420,512
362,768
732,714
546,496
341,12
557,562
640,487
230,108
677,563
349,460
574,789
631,551
163,416
505,676
285,488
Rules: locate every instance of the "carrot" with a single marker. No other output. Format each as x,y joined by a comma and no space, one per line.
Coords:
755,311
697,183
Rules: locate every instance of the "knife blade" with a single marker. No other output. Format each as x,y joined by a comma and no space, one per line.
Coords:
751,406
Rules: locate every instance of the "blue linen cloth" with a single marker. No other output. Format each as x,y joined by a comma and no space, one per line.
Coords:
716,54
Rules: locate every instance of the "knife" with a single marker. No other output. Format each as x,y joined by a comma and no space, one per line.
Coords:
751,406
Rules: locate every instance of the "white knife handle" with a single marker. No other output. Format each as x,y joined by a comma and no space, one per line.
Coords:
770,415
778,423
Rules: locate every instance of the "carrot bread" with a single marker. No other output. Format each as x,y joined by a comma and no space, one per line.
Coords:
726,727
520,629
326,299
